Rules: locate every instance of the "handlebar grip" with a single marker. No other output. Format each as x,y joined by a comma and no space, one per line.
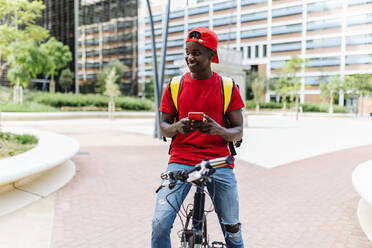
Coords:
219,162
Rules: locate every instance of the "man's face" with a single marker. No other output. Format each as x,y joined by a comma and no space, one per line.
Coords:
198,58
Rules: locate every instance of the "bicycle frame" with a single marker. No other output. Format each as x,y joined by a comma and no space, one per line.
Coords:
198,176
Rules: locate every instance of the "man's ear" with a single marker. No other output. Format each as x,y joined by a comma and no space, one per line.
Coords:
213,53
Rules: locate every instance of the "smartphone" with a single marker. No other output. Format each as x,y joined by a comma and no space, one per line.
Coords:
197,116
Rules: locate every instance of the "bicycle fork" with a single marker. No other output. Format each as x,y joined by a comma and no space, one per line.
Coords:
197,216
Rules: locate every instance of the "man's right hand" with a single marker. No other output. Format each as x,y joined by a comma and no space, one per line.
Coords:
184,126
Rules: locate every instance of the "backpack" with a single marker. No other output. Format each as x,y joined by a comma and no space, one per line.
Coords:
227,85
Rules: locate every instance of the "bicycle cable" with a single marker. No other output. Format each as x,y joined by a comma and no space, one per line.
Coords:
175,210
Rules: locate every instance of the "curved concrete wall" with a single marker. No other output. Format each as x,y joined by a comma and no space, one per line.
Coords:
53,149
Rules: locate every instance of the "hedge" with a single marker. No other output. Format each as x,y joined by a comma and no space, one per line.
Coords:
306,107
58,100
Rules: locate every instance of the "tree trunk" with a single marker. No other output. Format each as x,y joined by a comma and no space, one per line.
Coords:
284,106
52,85
361,107
296,106
331,103
111,109
257,107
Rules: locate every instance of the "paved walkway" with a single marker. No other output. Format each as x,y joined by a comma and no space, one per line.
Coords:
109,203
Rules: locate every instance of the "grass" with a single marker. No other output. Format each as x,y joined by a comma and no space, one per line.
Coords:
27,107
13,144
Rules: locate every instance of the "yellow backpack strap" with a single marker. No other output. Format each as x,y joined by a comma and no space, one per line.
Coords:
228,87
174,89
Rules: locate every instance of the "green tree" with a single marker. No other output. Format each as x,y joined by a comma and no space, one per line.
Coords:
66,79
282,88
149,89
249,79
329,89
259,90
120,68
26,62
293,85
17,24
112,88
358,85
58,56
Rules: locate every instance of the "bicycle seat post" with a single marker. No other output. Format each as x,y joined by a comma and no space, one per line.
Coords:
198,214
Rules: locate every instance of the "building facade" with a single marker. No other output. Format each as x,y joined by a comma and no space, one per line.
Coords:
58,18
334,36
107,30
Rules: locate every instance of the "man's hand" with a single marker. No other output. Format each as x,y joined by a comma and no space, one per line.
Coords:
184,126
208,126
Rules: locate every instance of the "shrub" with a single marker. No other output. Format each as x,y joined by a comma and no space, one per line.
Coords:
58,100
250,104
321,107
306,107
13,144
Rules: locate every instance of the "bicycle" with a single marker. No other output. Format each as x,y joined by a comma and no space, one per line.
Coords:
196,236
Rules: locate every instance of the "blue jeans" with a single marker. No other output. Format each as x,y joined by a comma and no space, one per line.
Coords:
224,193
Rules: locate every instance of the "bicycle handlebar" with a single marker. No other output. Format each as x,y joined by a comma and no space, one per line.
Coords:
200,171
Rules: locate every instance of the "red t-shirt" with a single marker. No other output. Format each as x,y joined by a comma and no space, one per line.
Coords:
199,96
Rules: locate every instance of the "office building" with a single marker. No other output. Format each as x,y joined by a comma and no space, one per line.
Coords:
334,36
107,30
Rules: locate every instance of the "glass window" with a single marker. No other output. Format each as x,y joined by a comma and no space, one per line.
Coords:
324,6
92,53
264,50
224,21
358,59
359,2
224,5
289,46
323,43
249,54
254,16
157,18
91,30
199,10
178,56
362,39
149,45
256,51
252,2
278,64
228,36
108,27
293,28
176,14
293,10
323,24
359,20
316,80
198,24
174,43
91,76
174,29
126,24
325,61
157,31
253,33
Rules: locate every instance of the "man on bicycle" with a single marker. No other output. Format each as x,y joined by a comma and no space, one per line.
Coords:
194,141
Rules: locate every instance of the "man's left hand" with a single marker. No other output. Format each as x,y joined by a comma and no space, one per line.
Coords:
209,126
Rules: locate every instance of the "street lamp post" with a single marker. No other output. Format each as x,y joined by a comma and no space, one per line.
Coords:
155,70
76,33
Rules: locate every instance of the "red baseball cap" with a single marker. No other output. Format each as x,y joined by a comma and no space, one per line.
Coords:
208,38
